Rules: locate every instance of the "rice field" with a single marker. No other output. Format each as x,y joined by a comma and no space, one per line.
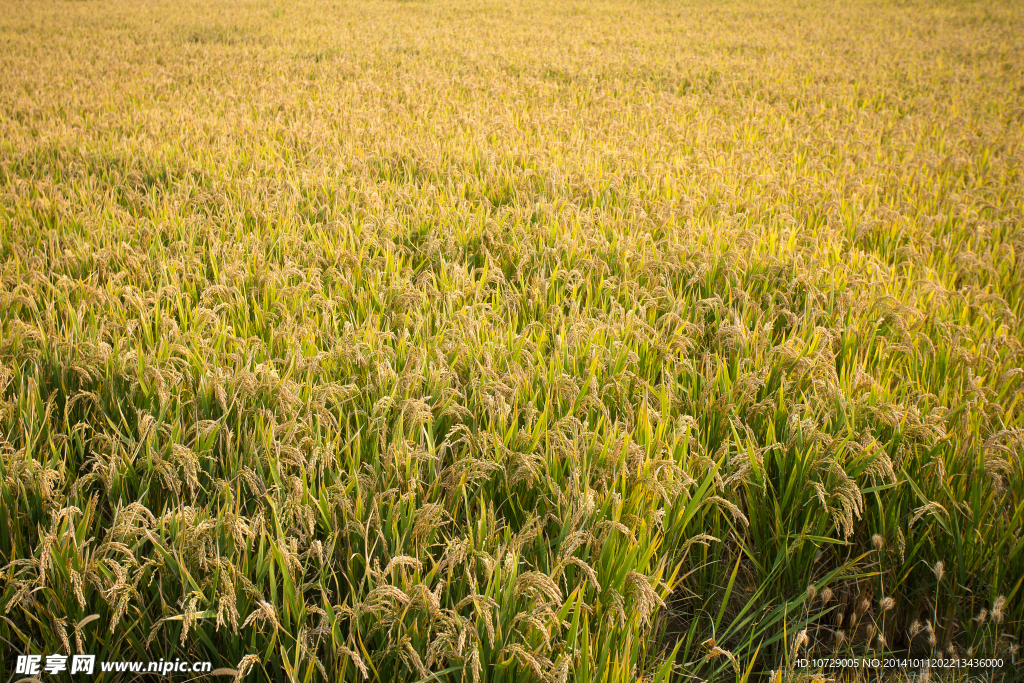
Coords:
462,341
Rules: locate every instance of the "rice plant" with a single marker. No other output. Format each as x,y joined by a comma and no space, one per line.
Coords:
456,341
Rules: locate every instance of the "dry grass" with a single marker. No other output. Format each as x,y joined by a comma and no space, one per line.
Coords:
594,341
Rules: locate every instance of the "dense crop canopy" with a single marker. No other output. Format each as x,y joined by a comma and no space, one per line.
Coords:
594,341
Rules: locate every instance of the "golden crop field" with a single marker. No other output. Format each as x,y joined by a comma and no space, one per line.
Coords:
463,341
